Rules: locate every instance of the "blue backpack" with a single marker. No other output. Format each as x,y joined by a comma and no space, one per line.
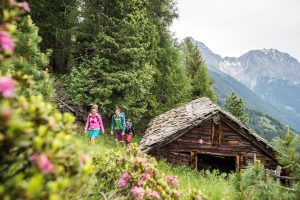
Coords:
122,114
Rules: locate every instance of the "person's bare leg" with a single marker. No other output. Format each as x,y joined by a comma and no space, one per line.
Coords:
116,142
93,140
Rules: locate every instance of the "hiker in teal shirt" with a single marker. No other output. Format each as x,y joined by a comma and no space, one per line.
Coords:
118,126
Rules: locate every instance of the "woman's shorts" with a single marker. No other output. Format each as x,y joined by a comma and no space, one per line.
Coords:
94,133
118,134
127,138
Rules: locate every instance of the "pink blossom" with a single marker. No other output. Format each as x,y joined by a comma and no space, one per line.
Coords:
33,157
7,112
144,160
123,180
153,195
138,193
6,43
6,86
172,180
146,176
139,183
177,193
137,160
84,158
24,6
44,164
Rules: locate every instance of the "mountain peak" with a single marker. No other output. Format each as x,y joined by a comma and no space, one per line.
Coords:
207,54
254,64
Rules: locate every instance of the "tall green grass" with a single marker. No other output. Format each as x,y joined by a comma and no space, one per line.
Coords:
212,185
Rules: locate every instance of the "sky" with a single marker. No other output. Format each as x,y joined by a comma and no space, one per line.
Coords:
233,27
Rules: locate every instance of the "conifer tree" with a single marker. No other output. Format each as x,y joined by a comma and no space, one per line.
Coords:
197,71
172,86
119,63
288,156
253,183
57,21
30,60
235,106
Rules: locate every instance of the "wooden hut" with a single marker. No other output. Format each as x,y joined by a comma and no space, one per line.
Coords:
204,136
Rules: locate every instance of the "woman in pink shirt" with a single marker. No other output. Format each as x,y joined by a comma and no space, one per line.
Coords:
94,124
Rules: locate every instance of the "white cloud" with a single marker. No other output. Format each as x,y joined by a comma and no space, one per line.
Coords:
232,27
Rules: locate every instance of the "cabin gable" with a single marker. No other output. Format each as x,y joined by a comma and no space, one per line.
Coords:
216,141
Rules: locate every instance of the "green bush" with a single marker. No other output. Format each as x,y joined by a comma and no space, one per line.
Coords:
133,176
39,157
254,183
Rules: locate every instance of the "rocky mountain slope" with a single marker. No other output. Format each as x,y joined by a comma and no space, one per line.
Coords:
268,80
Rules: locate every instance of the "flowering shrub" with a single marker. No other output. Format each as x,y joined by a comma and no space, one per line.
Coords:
133,176
6,43
10,10
6,86
39,158
20,55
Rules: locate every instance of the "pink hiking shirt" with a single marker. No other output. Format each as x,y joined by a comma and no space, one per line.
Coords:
94,122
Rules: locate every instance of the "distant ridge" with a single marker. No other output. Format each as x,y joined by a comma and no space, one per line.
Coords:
267,80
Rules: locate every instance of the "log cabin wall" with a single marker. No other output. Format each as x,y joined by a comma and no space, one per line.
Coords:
214,139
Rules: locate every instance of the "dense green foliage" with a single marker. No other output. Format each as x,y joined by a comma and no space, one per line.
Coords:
28,61
289,158
118,68
197,71
264,125
136,175
39,158
172,86
57,21
126,57
254,183
235,106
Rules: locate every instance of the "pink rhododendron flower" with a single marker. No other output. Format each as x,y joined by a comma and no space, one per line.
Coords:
84,158
44,164
7,112
123,180
146,176
172,180
139,183
137,160
24,6
6,86
144,160
6,43
153,195
138,193
33,157
177,193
